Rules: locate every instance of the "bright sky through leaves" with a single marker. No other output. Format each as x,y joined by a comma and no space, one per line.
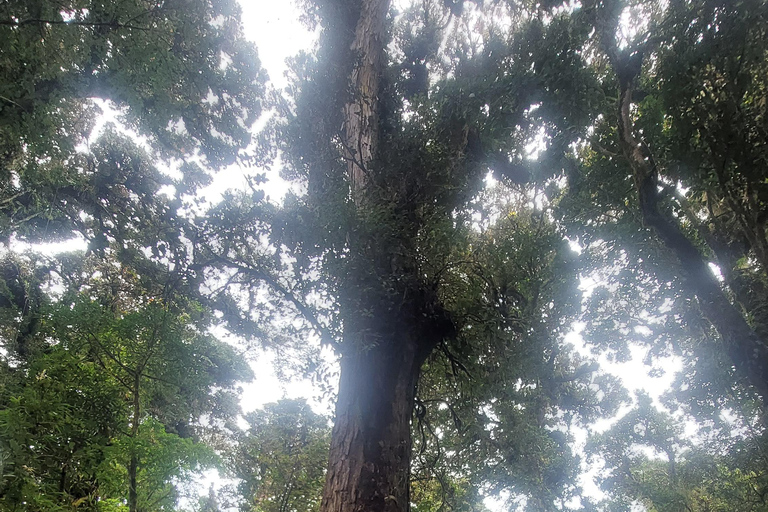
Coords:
513,280
275,28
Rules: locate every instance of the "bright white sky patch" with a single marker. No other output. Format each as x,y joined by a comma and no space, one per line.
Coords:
275,28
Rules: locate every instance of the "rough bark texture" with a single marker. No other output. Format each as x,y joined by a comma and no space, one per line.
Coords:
371,445
746,350
391,322
360,112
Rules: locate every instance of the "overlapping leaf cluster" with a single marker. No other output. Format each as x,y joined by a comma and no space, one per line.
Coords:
114,392
510,132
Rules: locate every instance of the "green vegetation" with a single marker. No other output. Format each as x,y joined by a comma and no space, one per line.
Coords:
281,458
475,184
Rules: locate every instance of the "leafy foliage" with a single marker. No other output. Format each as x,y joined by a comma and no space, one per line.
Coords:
113,392
281,458
539,169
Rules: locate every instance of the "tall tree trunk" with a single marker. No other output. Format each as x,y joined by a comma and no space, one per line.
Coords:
371,442
388,335
361,111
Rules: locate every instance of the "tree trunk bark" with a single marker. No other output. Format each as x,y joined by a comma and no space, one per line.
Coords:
133,467
387,335
361,111
370,455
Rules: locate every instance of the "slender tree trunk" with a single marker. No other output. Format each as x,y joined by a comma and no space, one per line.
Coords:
672,467
63,480
746,349
370,452
133,465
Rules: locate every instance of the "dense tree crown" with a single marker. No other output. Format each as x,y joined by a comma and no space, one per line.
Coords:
489,199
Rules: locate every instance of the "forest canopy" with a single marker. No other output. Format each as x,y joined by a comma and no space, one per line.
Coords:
491,205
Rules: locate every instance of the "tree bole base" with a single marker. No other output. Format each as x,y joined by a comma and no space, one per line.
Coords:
370,451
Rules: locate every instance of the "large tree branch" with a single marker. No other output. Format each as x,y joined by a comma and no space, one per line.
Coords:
748,353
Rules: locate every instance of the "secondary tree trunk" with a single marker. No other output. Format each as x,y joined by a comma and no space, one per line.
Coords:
133,465
370,452
746,349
